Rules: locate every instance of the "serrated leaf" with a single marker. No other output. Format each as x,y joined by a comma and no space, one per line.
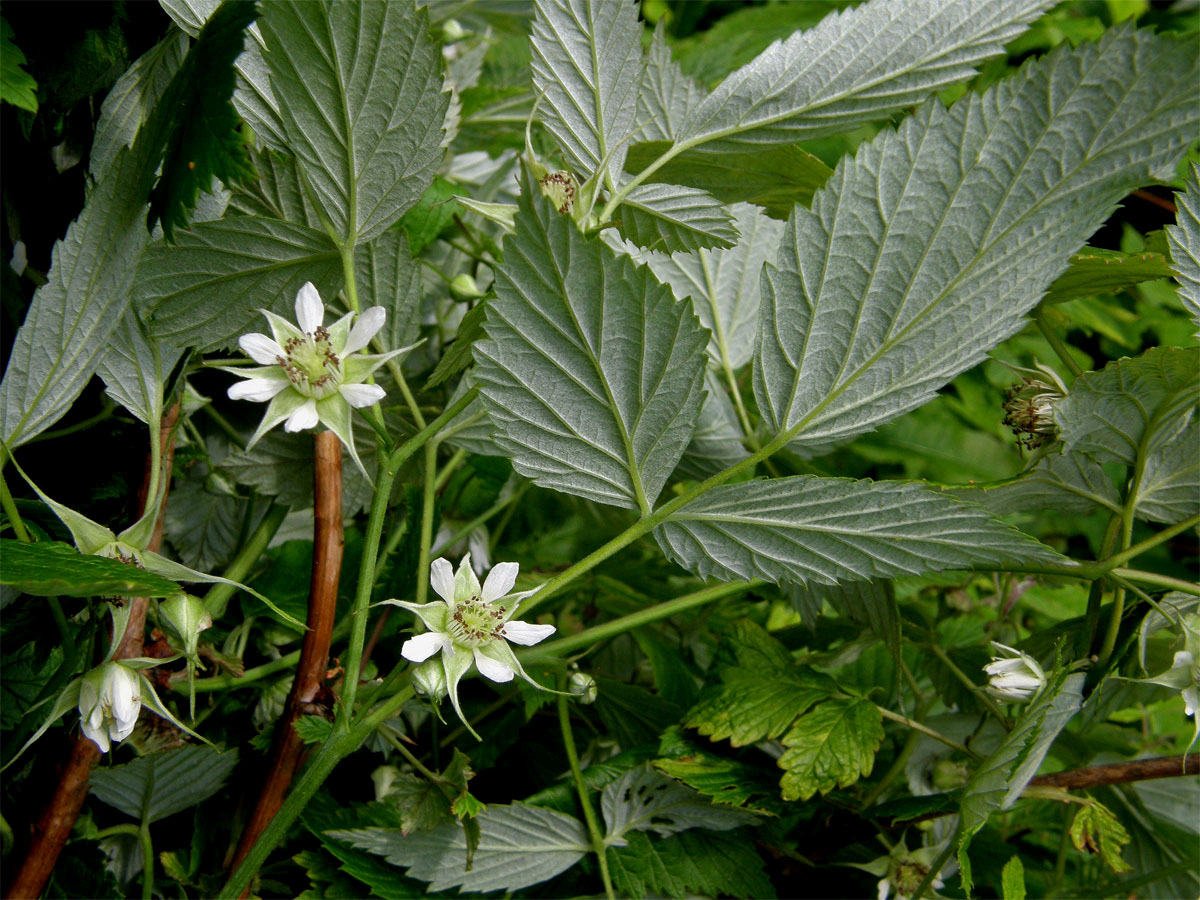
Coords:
645,800
1132,407
1184,241
587,64
1068,482
383,880
419,802
1012,880
313,729
716,443
831,745
724,283
1097,830
753,705
672,218
518,846
16,85
928,246
828,530
433,212
276,193
54,569
775,178
458,355
202,526
202,139
869,603
724,780
690,864
388,276
666,96
1097,271
158,785
210,287
836,75
136,367
359,88
1169,489
592,371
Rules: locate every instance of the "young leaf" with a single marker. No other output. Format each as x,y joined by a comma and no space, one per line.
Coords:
831,745
360,93
1184,241
645,800
54,569
671,218
1012,880
587,64
753,704
1097,271
689,864
928,246
828,530
518,846
458,355
158,785
16,85
592,371
1097,830
856,66
209,289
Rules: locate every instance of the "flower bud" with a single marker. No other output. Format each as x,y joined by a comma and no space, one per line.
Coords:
429,679
560,188
110,698
186,616
452,31
583,686
1013,677
463,287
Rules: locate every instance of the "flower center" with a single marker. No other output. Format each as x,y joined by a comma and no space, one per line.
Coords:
475,622
311,364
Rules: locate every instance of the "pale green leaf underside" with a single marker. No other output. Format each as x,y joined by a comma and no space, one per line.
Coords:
827,530
592,372
360,94
716,443
136,367
161,784
856,66
518,846
929,246
387,276
1169,491
1067,482
1131,407
277,192
587,64
208,289
667,95
645,800
671,217
1184,241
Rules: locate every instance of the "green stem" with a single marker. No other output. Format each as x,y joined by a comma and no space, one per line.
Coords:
10,510
1056,343
1096,591
926,730
428,501
147,860
348,271
249,677
64,630
448,469
1060,859
218,595
971,686
224,426
589,814
125,828
1119,559
1124,539
937,866
1175,584
478,520
107,413
409,447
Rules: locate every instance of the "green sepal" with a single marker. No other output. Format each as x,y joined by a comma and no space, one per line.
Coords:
67,700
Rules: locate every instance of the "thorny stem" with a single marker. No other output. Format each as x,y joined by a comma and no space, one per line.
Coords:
589,814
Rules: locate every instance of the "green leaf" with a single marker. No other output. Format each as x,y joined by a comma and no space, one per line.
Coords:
831,745
666,96
722,779
54,569
671,218
1067,482
775,178
388,276
519,845
277,192
724,284
418,801
136,367
458,355
1184,241
928,246
158,785
1012,880
385,882
690,864
831,77
16,85
1097,830
359,88
592,371
204,527
313,729
433,212
632,715
645,800
202,140
716,443
756,704
803,528
587,65
1097,271
1169,490
1132,407
209,288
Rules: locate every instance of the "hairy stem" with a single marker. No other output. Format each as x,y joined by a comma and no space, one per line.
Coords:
1056,343
589,814
926,730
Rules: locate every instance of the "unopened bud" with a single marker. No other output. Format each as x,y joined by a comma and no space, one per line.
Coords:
463,287
186,616
1013,677
429,679
583,686
561,189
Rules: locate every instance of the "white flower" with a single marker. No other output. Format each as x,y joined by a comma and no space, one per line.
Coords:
110,698
312,374
472,625
1184,674
1014,677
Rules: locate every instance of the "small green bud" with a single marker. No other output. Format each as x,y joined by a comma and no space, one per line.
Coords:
583,686
463,287
429,679
186,616
452,31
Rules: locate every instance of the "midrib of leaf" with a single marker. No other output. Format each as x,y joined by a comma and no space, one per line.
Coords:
601,143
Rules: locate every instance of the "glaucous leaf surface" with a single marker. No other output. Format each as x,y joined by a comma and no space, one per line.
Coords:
671,217
645,800
855,66
929,246
518,846
803,528
1069,482
666,96
587,66
136,367
593,370
831,745
161,784
359,88
716,443
277,192
1184,241
209,288
387,276
1169,489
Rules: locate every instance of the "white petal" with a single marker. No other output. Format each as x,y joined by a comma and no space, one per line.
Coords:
493,669
364,329
302,418
526,634
1191,700
441,579
885,888
360,395
500,581
420,648
310,311
99,736
260,348
260,390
